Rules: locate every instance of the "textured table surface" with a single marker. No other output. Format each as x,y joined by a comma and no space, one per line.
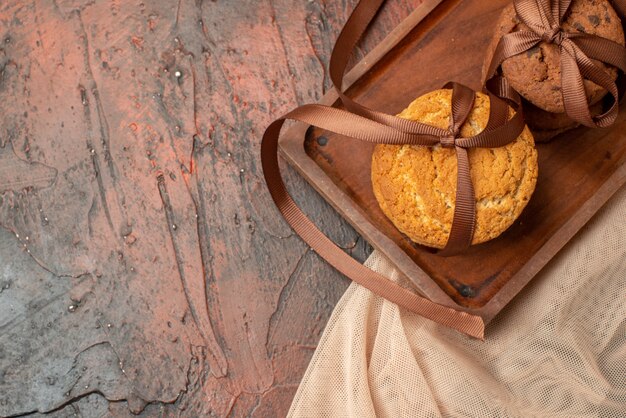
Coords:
143,267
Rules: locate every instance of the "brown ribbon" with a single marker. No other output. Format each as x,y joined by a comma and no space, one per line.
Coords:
372,126
544,18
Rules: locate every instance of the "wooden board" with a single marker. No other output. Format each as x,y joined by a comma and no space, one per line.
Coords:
578,172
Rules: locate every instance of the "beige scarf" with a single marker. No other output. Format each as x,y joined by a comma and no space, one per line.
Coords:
558,350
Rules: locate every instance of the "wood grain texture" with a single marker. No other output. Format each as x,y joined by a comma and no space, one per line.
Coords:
143,267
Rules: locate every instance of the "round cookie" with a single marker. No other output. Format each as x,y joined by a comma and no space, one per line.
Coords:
536,73
416,186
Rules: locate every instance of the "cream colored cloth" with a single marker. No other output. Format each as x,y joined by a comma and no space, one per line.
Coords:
558,350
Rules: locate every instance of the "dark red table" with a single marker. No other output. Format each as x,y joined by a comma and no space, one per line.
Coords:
143,266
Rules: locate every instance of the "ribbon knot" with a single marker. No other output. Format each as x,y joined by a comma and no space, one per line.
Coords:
448,141
554,35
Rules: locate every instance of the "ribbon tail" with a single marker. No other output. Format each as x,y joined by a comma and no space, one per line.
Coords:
601,49
574,65
573,88
464,220
362,15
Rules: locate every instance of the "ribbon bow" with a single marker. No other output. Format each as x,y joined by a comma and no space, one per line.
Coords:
544,19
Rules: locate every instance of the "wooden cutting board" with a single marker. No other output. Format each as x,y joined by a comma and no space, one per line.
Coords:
578,171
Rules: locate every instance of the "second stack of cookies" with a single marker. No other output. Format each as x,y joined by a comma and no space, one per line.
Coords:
536,73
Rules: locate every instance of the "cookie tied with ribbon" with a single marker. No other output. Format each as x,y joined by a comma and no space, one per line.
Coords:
543,23
415,186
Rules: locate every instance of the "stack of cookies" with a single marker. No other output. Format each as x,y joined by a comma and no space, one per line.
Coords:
415,185
536,73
